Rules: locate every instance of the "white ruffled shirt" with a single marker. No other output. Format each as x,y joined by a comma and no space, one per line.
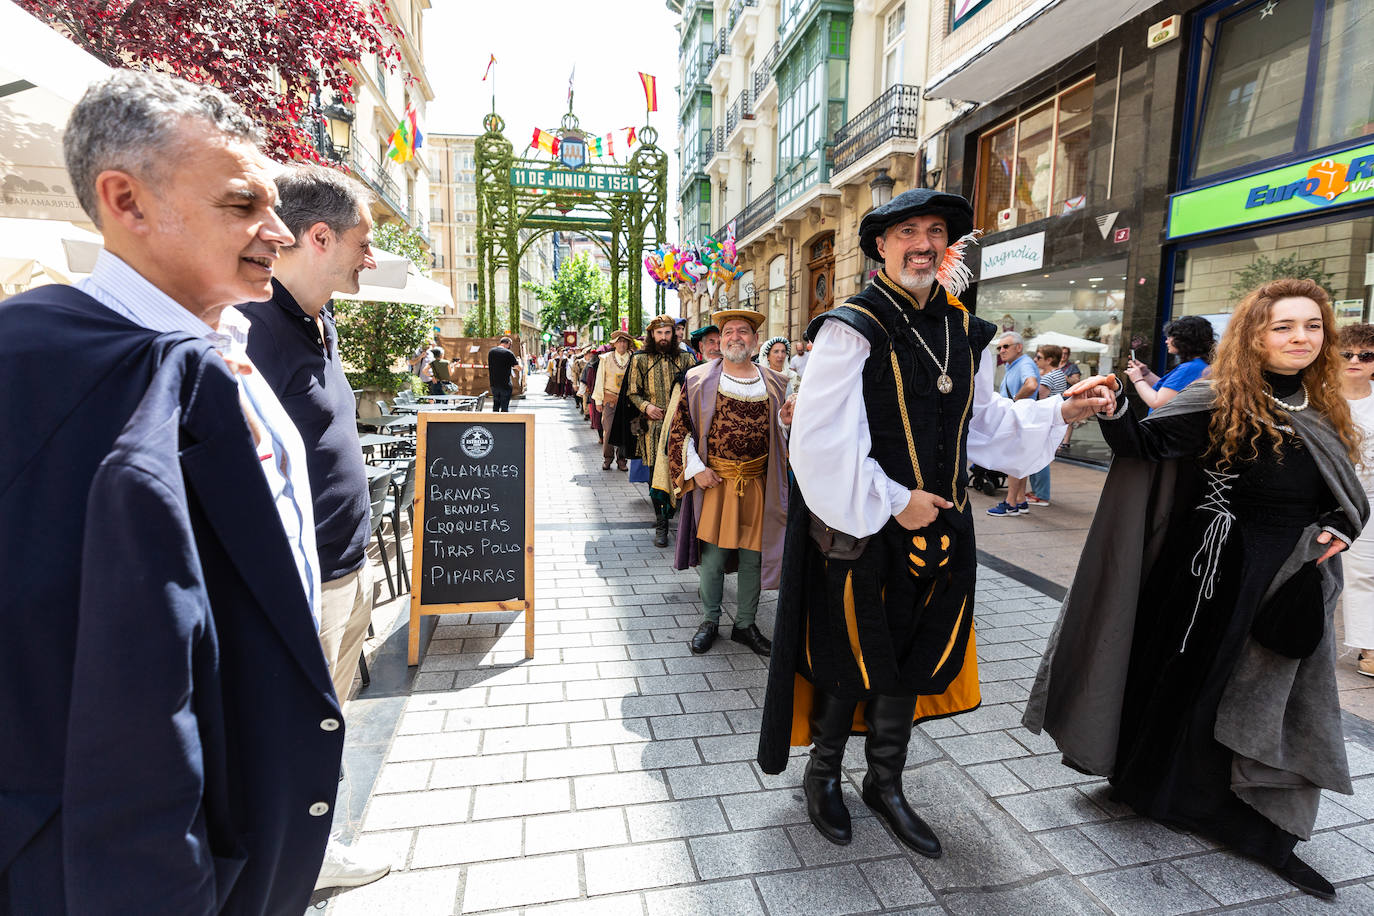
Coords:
830,441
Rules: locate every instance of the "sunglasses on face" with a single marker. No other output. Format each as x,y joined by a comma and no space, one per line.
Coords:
1365,356
1005,346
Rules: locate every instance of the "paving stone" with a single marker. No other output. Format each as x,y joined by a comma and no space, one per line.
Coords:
575,830
996,779
1358,898
426,747
620,789
403,777
896,882
697,664
620,905
691,725
715,700
657,705
1332,814
1337,857
817,892
1136,840
419,723
567,711
485,717
640,668
415,809
525,693
1051,808
462,843
731,854
675,819
725,748
602,688
476,771
1077,853
1230,879
729,898
980,748
745,721
575,761
612,731
1058,895
542,797
712,779
432,891
524,738
645,865
652,755
1047,772
681,685
1148,890
871,841
533,879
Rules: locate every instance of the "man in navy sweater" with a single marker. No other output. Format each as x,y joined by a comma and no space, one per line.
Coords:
294,344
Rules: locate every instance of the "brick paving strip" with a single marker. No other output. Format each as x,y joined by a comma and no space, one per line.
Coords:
614,774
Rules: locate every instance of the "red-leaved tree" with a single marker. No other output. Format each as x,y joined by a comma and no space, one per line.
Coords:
273,57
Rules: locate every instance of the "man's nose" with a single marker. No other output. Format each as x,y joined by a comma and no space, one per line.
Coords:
369,259
274,230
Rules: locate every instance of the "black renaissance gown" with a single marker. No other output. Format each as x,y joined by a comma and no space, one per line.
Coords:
1169,765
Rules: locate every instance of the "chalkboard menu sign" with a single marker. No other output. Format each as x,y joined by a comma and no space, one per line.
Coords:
473,545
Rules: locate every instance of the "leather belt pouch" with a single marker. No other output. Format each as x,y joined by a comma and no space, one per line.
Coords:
836,545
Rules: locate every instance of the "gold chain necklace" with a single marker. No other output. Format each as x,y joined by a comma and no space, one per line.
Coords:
944,383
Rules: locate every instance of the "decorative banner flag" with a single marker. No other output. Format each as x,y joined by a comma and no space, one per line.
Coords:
629,136
570,86
545,141
488,70
650,91
406,138
599,146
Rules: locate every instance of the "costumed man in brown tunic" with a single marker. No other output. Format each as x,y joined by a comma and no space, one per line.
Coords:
727,455
875,612
610,373
643,406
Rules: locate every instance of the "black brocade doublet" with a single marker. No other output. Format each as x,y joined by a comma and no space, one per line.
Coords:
904,406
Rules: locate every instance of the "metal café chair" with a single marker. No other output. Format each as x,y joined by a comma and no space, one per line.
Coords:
377,490
402,494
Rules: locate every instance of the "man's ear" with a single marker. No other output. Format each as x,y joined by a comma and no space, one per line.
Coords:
879,241
121,198
320,236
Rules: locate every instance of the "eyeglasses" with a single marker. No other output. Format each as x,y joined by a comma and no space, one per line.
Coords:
1005,346
1365,356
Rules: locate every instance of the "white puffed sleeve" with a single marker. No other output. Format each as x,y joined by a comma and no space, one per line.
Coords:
830,441
1014,437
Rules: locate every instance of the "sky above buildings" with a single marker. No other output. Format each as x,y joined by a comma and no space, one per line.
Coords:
537,44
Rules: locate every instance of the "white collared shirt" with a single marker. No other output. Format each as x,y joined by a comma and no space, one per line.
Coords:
120,288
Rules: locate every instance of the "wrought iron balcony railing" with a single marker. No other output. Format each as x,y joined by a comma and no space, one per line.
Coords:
361,163
763,76
722,42
893,114
758,213
740,110
737,11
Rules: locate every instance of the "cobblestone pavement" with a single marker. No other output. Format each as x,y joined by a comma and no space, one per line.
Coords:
613,773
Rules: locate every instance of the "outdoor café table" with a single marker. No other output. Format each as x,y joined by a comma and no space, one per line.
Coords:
392,422
369,441
447,398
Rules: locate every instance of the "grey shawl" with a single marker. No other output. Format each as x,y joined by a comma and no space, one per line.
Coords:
1280,716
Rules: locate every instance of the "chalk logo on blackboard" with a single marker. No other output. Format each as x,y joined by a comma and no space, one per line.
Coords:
477,442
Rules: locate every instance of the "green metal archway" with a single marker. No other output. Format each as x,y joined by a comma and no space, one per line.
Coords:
624,201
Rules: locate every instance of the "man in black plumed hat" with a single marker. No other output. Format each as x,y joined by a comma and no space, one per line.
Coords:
875,612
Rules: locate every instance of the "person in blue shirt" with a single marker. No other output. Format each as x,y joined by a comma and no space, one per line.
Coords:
1191,339
1021,381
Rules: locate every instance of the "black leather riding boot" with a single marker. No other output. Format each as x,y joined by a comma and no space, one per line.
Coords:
889,732
831,721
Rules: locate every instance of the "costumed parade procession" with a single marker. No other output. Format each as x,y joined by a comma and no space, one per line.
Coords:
826,457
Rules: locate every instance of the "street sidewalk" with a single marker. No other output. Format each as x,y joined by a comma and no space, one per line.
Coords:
614,774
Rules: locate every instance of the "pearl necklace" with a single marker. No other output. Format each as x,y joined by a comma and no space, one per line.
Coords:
1291,408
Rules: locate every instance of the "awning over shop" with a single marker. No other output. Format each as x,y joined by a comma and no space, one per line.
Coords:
42,75
1043,34
418,289
38,251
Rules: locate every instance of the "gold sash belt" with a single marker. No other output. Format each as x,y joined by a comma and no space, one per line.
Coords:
739,471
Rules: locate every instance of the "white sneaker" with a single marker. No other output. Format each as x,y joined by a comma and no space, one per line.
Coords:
344,866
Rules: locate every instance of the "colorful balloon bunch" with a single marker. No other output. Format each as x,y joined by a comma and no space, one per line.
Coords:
694,265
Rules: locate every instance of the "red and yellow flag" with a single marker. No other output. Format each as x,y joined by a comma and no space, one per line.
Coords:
650,91
488,70
546,141
629,136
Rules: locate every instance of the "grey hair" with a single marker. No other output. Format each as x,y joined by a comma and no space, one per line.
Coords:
505,340
1015,338
313,194
129,122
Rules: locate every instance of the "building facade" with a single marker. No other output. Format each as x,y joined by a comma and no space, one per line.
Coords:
1161,161
453,224
796,117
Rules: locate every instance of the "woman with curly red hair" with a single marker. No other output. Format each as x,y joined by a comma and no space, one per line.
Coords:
1193,660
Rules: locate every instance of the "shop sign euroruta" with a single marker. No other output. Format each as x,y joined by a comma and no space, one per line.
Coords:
567,180
1293,190
1013,257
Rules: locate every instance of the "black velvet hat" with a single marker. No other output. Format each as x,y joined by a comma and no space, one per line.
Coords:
957,211
701,332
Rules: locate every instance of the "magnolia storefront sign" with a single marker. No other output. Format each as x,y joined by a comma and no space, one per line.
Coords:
1024,253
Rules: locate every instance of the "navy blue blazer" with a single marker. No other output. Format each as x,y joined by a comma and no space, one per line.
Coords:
169,735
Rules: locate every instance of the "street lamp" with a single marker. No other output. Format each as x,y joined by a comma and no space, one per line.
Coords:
340,121
881,188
